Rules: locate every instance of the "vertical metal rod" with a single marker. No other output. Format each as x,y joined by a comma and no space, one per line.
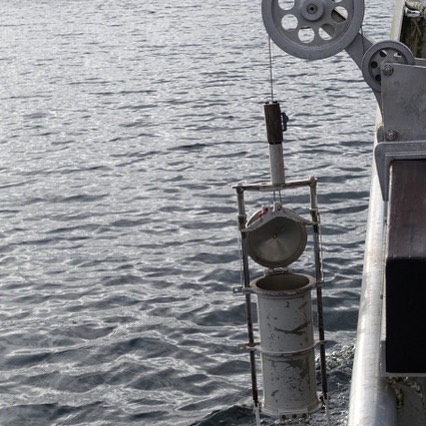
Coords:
242,218
319,278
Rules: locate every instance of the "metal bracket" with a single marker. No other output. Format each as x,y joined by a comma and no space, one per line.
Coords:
404,100
249,347
356,50
386,152
269,213
242,290
404,119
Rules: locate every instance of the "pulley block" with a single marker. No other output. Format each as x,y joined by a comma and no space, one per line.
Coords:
380,57
312,29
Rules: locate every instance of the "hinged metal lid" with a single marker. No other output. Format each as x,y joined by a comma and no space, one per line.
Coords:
276,236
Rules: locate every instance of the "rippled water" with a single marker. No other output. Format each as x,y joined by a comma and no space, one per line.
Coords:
123,126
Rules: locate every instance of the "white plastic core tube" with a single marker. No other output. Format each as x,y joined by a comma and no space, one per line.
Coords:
276,163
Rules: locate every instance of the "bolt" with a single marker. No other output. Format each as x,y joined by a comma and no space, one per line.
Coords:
312,9
387,69
391,135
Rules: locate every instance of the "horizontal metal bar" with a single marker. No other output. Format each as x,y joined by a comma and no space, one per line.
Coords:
268,186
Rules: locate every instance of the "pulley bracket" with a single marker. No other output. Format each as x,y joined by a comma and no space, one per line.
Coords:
379,59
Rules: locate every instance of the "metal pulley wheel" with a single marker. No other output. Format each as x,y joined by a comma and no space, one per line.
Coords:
380,57
312,29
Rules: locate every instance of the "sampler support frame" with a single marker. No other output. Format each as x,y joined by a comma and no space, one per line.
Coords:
252,346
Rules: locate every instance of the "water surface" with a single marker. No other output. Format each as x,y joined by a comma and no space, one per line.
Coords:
124,125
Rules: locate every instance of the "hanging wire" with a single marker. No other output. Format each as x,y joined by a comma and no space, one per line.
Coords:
271,77
277,196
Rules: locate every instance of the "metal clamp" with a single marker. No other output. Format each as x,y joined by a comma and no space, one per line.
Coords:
242,290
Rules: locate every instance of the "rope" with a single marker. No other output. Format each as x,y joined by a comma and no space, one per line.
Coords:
418,5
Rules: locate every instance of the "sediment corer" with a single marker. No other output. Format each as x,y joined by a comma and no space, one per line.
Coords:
275,122
287,344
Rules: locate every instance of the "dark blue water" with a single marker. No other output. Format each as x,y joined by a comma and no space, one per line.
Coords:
123,126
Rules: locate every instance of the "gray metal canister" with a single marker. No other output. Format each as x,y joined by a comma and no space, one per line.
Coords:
287,343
